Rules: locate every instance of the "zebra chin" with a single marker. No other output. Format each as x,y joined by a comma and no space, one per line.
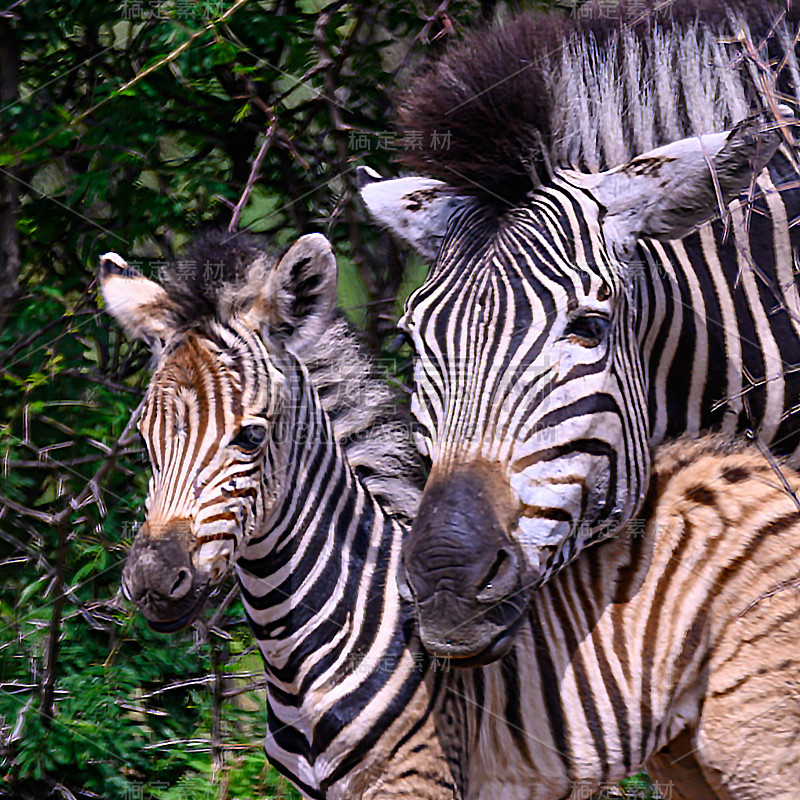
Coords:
174,625
474,642
162,618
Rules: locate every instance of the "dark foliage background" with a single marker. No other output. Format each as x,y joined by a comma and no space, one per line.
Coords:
128,126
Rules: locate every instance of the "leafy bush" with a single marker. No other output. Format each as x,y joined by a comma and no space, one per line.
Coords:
128,127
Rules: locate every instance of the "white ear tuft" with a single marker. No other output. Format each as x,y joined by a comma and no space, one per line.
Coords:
139,305
415,209
365,176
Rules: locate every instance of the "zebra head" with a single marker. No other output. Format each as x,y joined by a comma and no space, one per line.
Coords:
212,413
530,384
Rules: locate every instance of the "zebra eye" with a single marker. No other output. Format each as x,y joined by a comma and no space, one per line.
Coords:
589,328
250,438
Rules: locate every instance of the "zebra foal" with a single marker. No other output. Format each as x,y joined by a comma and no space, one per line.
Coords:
273,449
274,446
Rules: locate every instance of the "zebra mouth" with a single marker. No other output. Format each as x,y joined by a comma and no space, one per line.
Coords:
469,639
498,648
167,625
171,626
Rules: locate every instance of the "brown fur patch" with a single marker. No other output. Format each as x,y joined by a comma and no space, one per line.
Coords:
647,166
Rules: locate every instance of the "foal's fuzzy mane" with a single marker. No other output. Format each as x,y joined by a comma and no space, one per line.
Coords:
209,281
506,105
368,420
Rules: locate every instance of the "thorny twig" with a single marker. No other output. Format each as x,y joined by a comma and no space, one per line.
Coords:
54,634
217,753
776,468
254,173
59,521
422,36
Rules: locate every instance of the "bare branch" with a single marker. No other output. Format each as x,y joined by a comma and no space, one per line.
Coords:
54,634
254,172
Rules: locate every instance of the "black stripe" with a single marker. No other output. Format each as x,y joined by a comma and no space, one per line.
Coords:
512,690
580,671
552,700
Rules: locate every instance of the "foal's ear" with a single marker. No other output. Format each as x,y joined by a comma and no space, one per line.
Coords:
298,299
139,305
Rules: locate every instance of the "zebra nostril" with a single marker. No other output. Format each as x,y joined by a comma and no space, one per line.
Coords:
182,585
501,578
218,568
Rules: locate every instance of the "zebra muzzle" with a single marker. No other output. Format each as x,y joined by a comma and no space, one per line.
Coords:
160,579
461,568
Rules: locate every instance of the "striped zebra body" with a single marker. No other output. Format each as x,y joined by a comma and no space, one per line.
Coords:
661,640
582,308
721,333
317,584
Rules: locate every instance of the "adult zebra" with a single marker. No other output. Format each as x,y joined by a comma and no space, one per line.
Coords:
678,647
567,328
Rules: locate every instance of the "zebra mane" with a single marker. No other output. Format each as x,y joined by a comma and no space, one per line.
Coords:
209,283
209,280
369,421
505,106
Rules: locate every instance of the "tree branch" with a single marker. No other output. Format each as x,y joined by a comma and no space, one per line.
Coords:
254,173
54,634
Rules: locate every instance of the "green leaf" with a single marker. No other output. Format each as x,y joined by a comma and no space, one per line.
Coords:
29,591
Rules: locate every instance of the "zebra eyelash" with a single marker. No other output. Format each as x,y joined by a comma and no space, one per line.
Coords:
590,328
249,438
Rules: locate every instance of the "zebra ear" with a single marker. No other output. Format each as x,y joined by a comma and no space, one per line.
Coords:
298,298
415,209
139,305
666,193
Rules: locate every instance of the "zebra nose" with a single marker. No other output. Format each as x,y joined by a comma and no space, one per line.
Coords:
157,568
459,540
160,579
460,565
501,579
